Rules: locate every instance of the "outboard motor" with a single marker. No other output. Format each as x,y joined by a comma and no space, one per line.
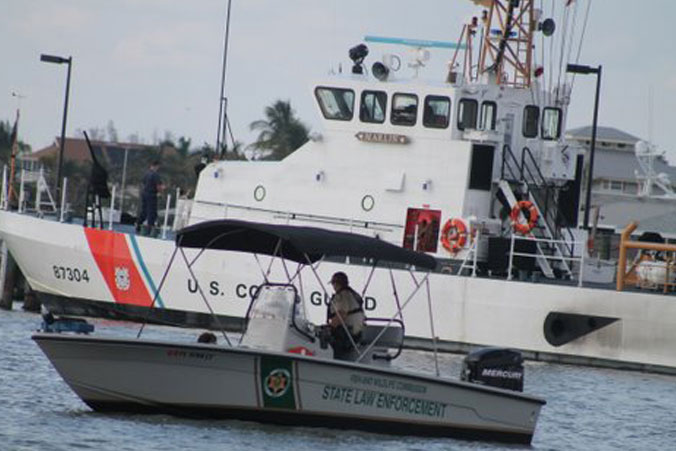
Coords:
496,367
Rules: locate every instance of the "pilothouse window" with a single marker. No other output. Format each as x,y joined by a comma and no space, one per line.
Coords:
404,109
467,114
551,123
373,106
336,103
488,115
437,110
531,119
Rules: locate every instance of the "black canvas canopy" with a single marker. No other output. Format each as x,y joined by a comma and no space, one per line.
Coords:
300,244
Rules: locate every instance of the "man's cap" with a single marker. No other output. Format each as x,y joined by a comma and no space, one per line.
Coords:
340,277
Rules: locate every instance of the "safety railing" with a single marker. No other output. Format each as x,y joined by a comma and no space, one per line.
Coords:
572,259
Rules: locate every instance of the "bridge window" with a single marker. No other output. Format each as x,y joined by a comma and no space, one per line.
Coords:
436,113
404,109
467,114
531,118
551,123
336,103
489,112
373,106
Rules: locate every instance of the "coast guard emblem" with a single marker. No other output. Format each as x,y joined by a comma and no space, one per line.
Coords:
122,280
277,383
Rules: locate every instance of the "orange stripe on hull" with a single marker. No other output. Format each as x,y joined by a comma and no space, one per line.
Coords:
111,252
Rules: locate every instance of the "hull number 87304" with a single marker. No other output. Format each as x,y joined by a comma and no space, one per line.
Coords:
70,274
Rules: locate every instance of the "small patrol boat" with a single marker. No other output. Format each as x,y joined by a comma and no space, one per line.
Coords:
282,368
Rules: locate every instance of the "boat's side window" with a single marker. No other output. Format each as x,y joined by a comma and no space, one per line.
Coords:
404,109
551,123
467,114
336,103
373,106
531,119
436,112
489,112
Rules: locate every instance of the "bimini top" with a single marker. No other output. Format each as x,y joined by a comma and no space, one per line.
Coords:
300,244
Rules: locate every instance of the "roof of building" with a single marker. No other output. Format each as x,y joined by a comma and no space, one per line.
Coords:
653,214
76,149
620,165
602,134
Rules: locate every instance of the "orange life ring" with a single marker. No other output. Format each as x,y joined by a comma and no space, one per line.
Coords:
528,209
454,235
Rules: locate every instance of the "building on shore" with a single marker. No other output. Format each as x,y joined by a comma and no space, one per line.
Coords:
632,182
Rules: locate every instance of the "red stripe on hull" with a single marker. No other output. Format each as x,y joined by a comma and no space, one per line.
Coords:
112,255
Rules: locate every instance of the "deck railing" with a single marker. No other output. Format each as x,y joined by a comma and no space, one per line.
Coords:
554,242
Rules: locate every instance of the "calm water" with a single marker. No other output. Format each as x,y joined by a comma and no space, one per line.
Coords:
587,409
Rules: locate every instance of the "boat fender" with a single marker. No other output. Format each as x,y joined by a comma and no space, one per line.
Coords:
530,211
454,235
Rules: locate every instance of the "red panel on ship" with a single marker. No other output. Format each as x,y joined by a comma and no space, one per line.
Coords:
112,255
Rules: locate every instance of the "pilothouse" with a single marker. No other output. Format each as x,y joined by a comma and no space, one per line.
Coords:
452,168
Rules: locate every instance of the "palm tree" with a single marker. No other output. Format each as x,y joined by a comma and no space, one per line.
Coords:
281,132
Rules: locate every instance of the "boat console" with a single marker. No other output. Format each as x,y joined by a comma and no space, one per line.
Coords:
276,321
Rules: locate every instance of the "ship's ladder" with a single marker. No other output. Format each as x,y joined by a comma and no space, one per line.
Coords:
541,257
469,263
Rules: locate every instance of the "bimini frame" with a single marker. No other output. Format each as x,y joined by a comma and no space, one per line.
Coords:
308,247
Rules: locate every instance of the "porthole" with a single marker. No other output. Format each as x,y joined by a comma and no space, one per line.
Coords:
259,193
367,203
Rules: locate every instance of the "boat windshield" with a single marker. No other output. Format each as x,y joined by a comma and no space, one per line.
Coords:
274,302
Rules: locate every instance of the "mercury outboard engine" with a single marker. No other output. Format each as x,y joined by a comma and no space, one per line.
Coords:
497,367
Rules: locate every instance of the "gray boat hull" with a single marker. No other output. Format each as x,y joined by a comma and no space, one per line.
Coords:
282,388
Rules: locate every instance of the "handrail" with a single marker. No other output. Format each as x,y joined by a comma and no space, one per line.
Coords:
507,151
529,174
571,258
550,209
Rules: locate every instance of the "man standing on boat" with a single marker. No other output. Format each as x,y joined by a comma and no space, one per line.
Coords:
152,184
345,317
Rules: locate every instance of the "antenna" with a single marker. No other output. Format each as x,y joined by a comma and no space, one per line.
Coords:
507,49
651,108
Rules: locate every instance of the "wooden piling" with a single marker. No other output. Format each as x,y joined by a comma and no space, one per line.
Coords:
8,271
30,299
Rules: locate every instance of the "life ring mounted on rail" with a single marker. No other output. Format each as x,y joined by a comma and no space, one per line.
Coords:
530,212
454,235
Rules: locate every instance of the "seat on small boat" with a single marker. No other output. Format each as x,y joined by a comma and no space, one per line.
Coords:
391,338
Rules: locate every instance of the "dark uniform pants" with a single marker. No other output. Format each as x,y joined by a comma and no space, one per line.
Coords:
341,344
148,210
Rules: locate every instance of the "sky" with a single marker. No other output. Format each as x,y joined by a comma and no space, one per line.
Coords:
152,66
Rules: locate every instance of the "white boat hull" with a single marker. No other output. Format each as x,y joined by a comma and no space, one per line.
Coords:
206,380
635,330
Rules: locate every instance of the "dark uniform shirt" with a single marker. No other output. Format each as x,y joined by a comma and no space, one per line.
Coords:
151,182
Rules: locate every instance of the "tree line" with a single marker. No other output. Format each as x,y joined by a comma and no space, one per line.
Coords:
280,133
